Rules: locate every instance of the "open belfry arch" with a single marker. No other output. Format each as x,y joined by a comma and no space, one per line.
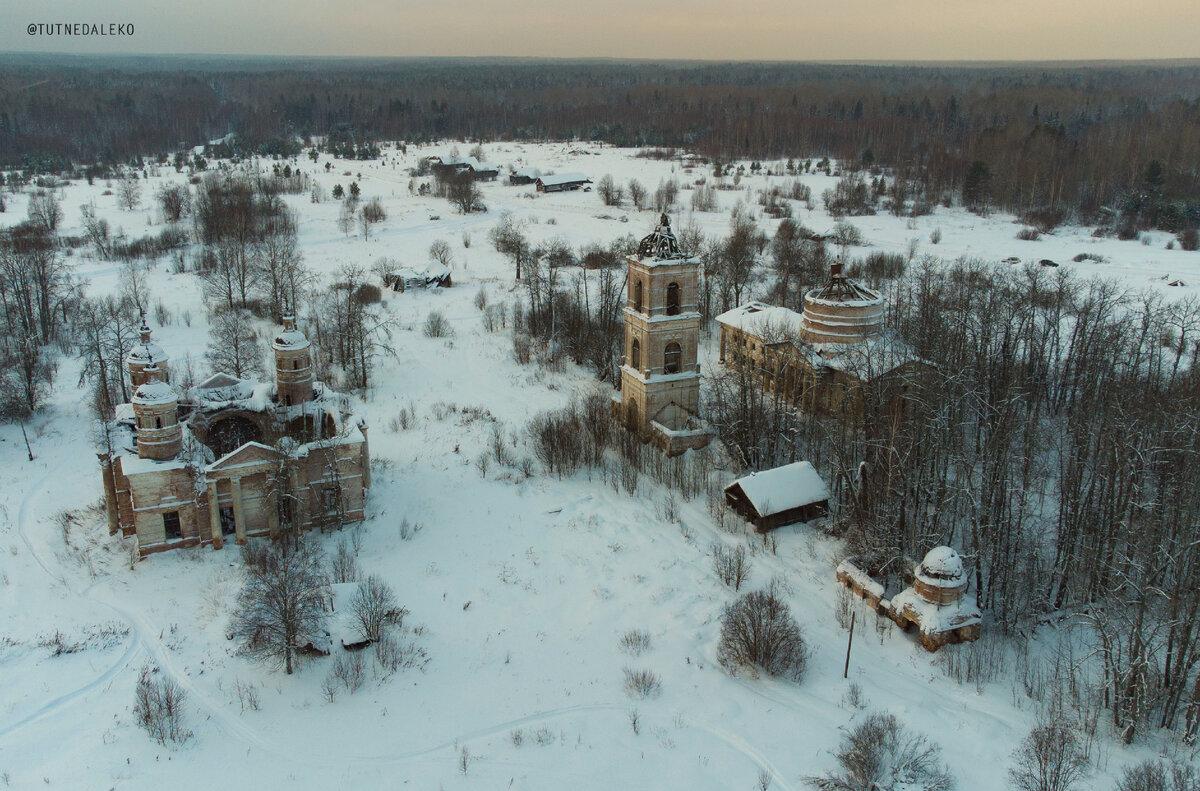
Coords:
660,372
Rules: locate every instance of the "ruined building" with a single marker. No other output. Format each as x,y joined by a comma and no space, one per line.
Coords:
660,374
826,359
231,458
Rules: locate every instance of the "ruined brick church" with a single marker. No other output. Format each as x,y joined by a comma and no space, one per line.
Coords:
231,458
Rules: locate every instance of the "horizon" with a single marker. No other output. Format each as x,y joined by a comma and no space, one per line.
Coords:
859,31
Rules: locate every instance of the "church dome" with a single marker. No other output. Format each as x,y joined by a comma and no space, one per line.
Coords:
154,392
290,340
661,244
145,352
942,568
841,311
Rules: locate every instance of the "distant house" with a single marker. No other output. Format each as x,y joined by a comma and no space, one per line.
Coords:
562,182
481,171
782,496
432,276
524,176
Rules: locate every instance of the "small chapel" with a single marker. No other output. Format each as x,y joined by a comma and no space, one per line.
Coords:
231,458
660,372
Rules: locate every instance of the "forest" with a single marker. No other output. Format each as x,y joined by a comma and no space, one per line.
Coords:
1082,141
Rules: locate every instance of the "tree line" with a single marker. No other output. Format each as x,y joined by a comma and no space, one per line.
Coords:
1075,139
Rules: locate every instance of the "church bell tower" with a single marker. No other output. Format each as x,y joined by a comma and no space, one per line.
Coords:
660,373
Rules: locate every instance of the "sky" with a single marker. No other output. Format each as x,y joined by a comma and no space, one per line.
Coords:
794,30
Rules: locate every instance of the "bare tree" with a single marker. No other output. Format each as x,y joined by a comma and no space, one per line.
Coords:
637,194
45,211
439,251
372,213
129,192
175,201
464,194
1049,759
880,754
609,192
233,345
375,608
282,605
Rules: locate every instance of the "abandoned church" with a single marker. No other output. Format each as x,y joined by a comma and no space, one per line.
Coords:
231,458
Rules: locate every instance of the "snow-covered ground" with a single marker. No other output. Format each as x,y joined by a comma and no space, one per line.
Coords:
522,587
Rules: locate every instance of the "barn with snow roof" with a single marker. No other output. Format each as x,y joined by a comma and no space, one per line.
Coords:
778,497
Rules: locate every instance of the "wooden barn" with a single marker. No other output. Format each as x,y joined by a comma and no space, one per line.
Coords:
562,182
782,496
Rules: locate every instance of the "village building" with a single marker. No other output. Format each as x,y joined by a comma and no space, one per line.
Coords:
827,358
480,171
562,182
781,496
660,371
934,603
525,175
232,458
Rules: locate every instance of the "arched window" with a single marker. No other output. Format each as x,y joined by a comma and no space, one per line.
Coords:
672,358
635,355
673,299
637,296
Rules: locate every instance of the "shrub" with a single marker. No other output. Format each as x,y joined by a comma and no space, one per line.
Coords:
158,707
935,236
642,683
759,632
1087,257
1189,239
1028,234
635,642
880,754
730,565
1045,220
436,326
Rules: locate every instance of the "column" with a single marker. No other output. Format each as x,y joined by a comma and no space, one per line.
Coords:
214,516
239,521
722,356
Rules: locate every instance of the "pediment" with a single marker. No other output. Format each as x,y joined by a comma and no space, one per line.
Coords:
249,454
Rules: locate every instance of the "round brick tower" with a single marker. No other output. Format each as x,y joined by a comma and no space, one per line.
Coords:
141,355
293,364
841,311
940,577
156,412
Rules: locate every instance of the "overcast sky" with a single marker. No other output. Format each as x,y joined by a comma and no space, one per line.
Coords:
701,29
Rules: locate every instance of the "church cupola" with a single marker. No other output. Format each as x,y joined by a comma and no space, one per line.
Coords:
293,364
140,356
156,413
841,311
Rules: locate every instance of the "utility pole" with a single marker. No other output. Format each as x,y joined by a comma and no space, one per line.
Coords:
849,642
28,449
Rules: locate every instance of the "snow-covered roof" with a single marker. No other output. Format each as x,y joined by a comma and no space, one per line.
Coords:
527,172
942,568
783,488
290,340
763,321
219,380
154,392
936,618
564,178
145,352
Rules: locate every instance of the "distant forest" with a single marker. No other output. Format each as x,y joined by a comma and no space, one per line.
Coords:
1088,141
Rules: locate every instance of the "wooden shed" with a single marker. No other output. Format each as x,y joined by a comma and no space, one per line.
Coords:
782,496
